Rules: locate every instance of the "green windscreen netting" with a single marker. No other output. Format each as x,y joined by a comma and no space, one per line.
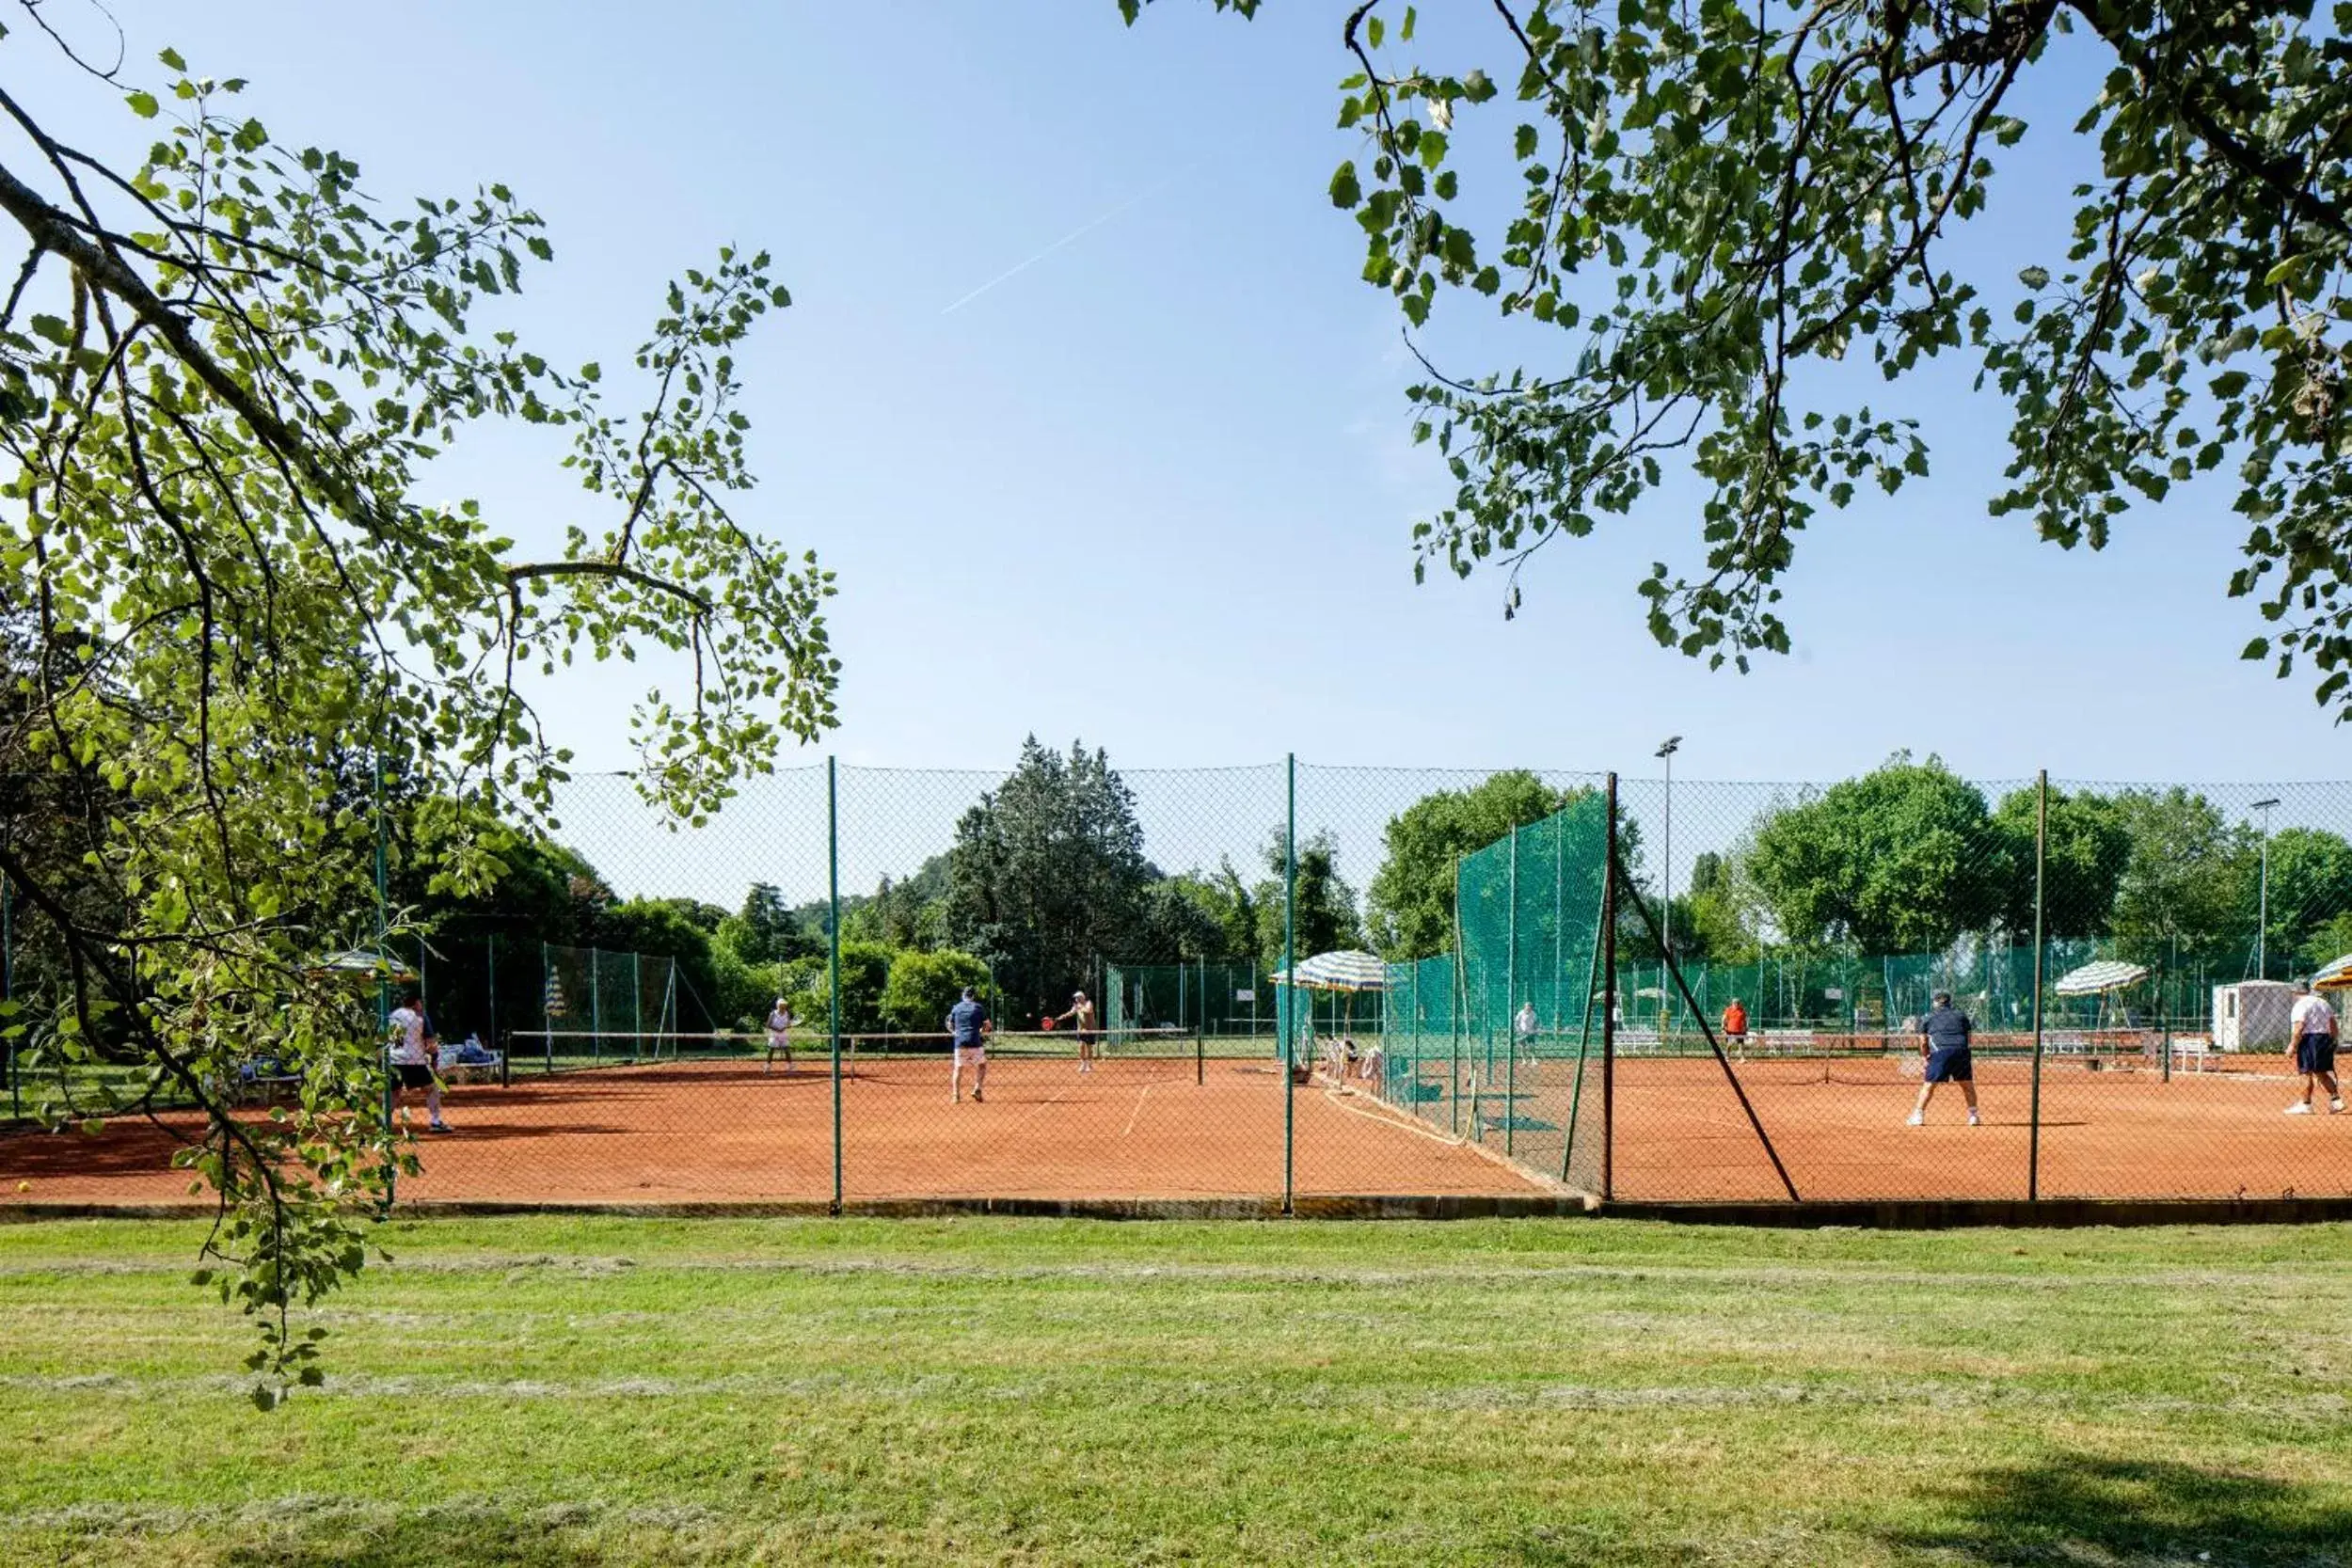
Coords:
1219,1000
1499,1042
601,1006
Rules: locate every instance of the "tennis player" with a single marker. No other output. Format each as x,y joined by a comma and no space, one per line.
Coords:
412,1056
1525,1026
1944,1034
968,1028
1081,1017
1736,1026
2313,1050
780,1037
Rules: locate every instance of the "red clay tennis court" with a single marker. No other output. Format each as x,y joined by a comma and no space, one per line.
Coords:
2111,1126
726,1130
722,1131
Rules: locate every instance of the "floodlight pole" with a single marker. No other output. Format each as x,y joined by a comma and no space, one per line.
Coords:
2261,917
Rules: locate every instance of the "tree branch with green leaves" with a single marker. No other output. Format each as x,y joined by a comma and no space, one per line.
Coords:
1712,204
224,369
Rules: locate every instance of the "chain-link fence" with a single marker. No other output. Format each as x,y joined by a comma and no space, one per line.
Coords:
1287,982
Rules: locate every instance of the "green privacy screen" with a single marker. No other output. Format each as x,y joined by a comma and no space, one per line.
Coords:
1499,1042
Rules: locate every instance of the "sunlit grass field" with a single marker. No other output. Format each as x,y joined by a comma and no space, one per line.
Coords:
563,1392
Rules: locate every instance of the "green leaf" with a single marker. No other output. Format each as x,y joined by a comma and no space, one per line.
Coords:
171,59
143,104
2034,278
1345,192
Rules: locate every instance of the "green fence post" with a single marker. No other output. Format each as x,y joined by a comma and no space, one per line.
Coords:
636,1002
490,954
833,957
2040,852
546,1019
1584,1038
596,1005
1287,1003
1511,1006
7,986
1609,1007
383,980
1456,1013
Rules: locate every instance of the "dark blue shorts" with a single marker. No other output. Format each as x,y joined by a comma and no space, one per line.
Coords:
2316,1053
1950,1064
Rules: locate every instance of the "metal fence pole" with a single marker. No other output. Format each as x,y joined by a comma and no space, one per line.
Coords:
1609,1007
7,986
596,1005
1288,1003
383,978
1458,1014
833,955
2041,854
1511,1006
490,956
547,1019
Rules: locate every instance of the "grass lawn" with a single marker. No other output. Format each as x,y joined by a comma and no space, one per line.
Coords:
560,1392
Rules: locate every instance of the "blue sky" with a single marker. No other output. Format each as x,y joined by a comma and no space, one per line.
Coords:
1154,490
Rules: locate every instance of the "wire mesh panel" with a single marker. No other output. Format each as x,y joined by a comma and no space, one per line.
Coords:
1904,985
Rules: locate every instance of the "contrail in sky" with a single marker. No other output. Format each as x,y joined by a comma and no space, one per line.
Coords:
1079,234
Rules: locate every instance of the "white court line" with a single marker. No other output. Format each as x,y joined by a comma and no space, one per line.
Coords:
1138,1111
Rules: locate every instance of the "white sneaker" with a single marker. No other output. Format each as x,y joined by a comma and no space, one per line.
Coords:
2335,1107
2300,1108
1917,1119
1973,1122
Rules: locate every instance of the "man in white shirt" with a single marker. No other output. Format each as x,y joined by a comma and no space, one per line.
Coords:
412,1059
1525,1026
2312,1049
780,1037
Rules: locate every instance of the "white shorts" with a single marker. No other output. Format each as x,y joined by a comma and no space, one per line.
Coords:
971,1055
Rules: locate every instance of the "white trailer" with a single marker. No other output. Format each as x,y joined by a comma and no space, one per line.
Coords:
2252,1015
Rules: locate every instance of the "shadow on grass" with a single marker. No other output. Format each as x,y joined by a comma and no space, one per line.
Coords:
428,1539
2083,1509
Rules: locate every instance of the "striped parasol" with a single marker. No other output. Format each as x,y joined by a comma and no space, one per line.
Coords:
2335,976
1345,969
2098,977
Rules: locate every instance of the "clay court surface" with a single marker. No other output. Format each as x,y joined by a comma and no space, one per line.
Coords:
704,1132
1142,1128
2120,1131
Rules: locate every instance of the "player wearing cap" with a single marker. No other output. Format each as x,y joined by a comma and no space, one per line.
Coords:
2312,1049
968,1028
1081,1017
1944,1034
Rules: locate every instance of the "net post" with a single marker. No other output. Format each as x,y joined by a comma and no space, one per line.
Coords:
1609,1007
2041,855
833,957
1290,987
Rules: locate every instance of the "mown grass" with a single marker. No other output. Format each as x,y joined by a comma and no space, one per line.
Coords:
556,1393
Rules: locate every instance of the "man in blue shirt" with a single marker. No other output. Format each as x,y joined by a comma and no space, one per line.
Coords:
968,1028
1943,1039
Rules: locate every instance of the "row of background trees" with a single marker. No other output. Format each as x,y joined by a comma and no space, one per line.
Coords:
1047,880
